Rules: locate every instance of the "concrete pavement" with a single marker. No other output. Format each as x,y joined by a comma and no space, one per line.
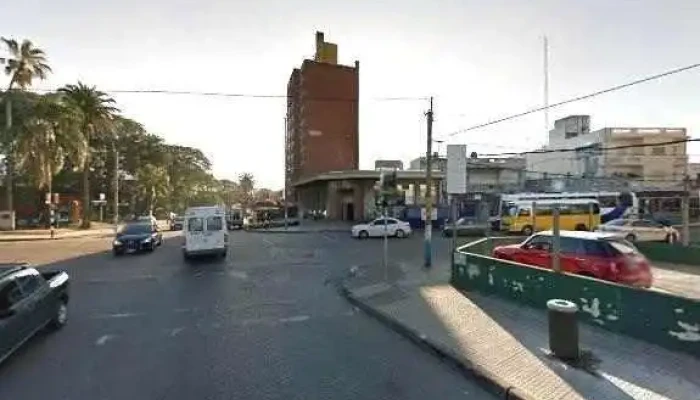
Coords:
263,324
506,345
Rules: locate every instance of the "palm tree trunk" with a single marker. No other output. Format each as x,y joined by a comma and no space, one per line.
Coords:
9,162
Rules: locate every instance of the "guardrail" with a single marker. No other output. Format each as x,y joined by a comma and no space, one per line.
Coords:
663,319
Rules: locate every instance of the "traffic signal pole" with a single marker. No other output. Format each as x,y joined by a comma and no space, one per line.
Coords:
427,240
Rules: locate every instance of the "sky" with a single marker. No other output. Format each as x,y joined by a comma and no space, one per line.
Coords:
479,60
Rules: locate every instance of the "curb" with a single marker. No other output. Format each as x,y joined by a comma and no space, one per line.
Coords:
492,383
47,238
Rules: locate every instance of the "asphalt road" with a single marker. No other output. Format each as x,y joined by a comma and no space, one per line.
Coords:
263,324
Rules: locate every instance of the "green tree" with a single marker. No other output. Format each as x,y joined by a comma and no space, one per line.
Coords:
246,185
25,64
48,139
96,112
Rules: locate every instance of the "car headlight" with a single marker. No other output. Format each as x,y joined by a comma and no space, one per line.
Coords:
116,242
146,240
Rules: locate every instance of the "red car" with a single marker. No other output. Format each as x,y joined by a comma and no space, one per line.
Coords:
599,255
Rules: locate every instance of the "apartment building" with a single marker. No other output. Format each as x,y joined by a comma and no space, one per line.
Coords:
322,121
641,154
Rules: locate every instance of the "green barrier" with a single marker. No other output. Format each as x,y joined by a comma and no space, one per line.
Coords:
666,320
671,253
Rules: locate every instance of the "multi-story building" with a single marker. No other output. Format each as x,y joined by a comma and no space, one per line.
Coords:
640,154
322,129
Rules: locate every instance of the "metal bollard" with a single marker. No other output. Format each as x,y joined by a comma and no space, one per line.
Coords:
563,329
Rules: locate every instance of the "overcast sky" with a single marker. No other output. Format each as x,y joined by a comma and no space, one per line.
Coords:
480,59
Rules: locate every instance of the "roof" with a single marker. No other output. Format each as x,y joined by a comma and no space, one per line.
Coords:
583,234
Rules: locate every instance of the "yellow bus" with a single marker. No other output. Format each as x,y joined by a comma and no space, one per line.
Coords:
574,214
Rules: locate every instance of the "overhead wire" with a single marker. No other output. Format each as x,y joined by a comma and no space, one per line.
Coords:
576,99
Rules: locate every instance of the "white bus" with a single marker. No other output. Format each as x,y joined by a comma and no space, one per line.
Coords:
613,205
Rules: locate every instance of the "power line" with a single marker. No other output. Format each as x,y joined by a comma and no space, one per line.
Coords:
579,98
243,95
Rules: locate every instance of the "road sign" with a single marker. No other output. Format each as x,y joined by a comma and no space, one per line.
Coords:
456,169
102,196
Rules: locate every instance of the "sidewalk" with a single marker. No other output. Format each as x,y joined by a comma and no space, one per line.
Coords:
506,345
20,235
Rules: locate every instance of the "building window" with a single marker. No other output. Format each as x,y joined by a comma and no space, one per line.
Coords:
658,151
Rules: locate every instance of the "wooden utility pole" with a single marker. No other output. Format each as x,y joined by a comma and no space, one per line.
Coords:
685,210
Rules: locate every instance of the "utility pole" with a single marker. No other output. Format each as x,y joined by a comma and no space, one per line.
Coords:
427,245
685,235
284,194
115,188
556,242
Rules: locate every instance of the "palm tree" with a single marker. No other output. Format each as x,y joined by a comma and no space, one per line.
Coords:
47,139
95,112
26,63
50,137
246,184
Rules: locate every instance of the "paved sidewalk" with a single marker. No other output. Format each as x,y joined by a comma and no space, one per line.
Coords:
45,234
506,345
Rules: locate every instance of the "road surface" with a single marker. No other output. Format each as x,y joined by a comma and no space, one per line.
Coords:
263,324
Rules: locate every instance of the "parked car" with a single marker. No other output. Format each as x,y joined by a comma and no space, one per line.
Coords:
464,227
135,237
376,228
30,301
177,222
599,255
642,230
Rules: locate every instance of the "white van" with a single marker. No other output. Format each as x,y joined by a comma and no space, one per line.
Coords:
205,231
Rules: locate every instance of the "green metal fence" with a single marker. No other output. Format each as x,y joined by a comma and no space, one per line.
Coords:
671,253
669,321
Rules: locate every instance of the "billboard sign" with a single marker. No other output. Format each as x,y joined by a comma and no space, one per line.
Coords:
456,169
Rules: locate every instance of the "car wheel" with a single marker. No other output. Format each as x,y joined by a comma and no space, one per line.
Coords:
60,319
400,233
363,235
631,237
527,230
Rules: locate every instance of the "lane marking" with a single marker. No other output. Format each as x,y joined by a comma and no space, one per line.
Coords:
330,238
267,242
118,315
238,274
296,318
103,339
175,331
185,310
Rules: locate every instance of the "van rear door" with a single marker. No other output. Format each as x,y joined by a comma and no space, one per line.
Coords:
194,237
215,235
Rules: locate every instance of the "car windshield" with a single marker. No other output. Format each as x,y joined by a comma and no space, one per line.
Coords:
135,229
623,246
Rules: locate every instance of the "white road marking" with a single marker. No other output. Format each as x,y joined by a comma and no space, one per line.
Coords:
296,318
267,242
103,339
330,238
184,310
238,275
118,315
175,331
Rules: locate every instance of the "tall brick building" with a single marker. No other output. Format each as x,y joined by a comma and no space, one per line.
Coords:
322,132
